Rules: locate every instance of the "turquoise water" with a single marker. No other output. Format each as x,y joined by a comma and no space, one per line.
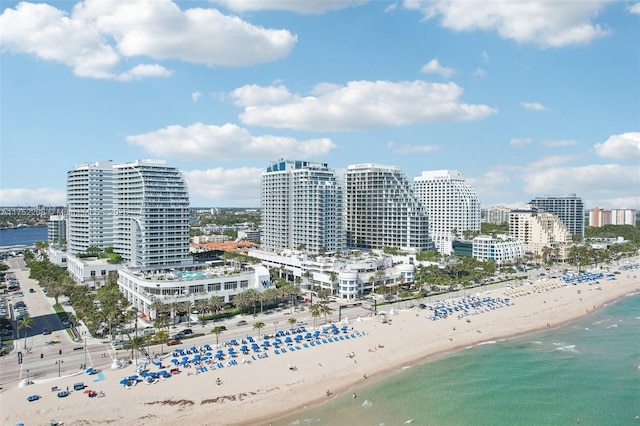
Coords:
582,370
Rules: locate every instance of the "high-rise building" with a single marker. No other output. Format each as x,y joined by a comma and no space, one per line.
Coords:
599,217
569,208
302,207
497,215
537,229
451,204
382,211
140,209
56,229
90,207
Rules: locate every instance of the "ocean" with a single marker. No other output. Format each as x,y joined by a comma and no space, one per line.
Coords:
581,372
22,236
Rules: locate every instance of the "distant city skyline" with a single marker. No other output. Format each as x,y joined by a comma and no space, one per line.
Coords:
525,100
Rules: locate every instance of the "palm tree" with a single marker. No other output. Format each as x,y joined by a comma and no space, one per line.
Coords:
157,306
315,313
217,330
258,325
162,336
25,323
161,322
215,303
334,278
292,321
325,310
136,343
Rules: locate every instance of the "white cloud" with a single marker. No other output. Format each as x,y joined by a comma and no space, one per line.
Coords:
625,147
434,67
195,96
358,105
601,180
479,72
391,8
222,143
520,141
561,142
545,23
494,184
485,57
32,197
299,6
533,106
634,8
97,36
411,149
238,187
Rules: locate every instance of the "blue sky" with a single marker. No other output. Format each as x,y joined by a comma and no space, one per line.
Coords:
525,98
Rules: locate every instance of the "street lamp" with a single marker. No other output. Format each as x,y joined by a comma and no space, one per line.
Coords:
59,362
275,325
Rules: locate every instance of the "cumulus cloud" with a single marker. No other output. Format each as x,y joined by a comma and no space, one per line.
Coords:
606,180
98,36
494,185
32,197
411,149
544,23
561,142
533,106
356,106
238,187
304,7
625,147
434,67
223,143
634,8
520,141
195,96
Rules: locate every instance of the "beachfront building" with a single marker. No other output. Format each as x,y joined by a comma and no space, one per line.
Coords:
347,277
537,229
569,208
382,211
497,215
141,211
501,248
143,287
57,230
302,205
451,203
90,206
599,217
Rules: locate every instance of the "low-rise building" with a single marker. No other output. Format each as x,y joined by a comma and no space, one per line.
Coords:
501,248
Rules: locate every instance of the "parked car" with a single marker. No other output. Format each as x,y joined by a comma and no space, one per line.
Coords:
241,322
118,344
65,322
187,331
32,290
173,342
46,330
179,335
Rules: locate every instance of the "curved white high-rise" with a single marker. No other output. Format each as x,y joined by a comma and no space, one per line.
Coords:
141,209
452,206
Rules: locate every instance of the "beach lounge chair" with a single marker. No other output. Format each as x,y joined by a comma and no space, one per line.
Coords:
276,352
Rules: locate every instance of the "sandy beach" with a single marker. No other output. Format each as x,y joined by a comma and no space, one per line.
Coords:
256,391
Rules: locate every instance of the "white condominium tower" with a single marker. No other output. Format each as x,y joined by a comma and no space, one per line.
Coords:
302,206
90,206
451,203
141,209
381,210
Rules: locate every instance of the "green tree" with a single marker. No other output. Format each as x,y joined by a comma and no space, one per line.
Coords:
162,336
315,313
136,343
258,325
24,324
217,330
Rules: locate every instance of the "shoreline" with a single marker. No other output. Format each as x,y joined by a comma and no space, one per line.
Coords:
268,389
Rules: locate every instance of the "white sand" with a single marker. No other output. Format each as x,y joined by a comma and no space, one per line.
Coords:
267,388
